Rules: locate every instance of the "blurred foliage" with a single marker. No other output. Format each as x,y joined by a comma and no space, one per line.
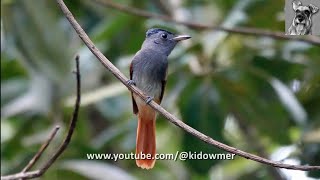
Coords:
217,82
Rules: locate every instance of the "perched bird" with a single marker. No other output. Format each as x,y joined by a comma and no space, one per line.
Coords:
148,71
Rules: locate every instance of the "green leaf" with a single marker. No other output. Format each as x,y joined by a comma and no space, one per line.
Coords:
11,68
199,106
253,100
283,70
39,40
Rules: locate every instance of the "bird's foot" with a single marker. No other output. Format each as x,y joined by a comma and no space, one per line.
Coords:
131,82
149,99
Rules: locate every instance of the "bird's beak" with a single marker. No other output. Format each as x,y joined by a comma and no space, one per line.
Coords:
181,38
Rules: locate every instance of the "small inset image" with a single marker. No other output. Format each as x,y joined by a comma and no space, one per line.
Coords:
302,17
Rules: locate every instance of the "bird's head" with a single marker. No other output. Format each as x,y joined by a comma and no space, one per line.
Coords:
162,40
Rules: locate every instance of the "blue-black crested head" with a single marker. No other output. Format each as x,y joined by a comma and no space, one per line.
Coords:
161,40
156,31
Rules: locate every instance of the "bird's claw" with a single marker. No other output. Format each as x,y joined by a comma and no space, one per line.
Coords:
131,82
149,99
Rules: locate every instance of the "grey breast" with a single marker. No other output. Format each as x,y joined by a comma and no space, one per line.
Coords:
149,70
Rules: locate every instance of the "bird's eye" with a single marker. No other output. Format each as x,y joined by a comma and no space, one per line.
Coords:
164,36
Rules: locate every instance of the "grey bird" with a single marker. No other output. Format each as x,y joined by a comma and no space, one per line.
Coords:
148,71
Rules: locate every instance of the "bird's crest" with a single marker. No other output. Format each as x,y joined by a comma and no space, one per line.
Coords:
155,30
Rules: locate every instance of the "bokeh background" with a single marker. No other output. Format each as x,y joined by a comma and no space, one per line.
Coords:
255,93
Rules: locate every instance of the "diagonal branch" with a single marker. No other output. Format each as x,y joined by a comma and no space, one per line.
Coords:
37,173
106,63
250,134
44,146
238,30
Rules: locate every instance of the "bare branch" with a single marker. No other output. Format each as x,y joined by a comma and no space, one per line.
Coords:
37,173
44,146
238,30
250,134
162,111
35,158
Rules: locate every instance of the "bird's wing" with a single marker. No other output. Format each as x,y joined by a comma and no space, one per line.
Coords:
134,104
163,85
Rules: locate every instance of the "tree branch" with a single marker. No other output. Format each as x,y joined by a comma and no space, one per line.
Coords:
37,173
250,134
106,63
238,30
44,146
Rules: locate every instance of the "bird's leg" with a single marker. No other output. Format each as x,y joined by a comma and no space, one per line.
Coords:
149,99
131,82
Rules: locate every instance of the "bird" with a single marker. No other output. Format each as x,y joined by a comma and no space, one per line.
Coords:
148,72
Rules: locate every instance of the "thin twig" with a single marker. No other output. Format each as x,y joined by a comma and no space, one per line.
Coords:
44,146
238,30
106,63
65,143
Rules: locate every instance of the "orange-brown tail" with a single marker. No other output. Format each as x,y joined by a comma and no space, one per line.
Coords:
146,138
